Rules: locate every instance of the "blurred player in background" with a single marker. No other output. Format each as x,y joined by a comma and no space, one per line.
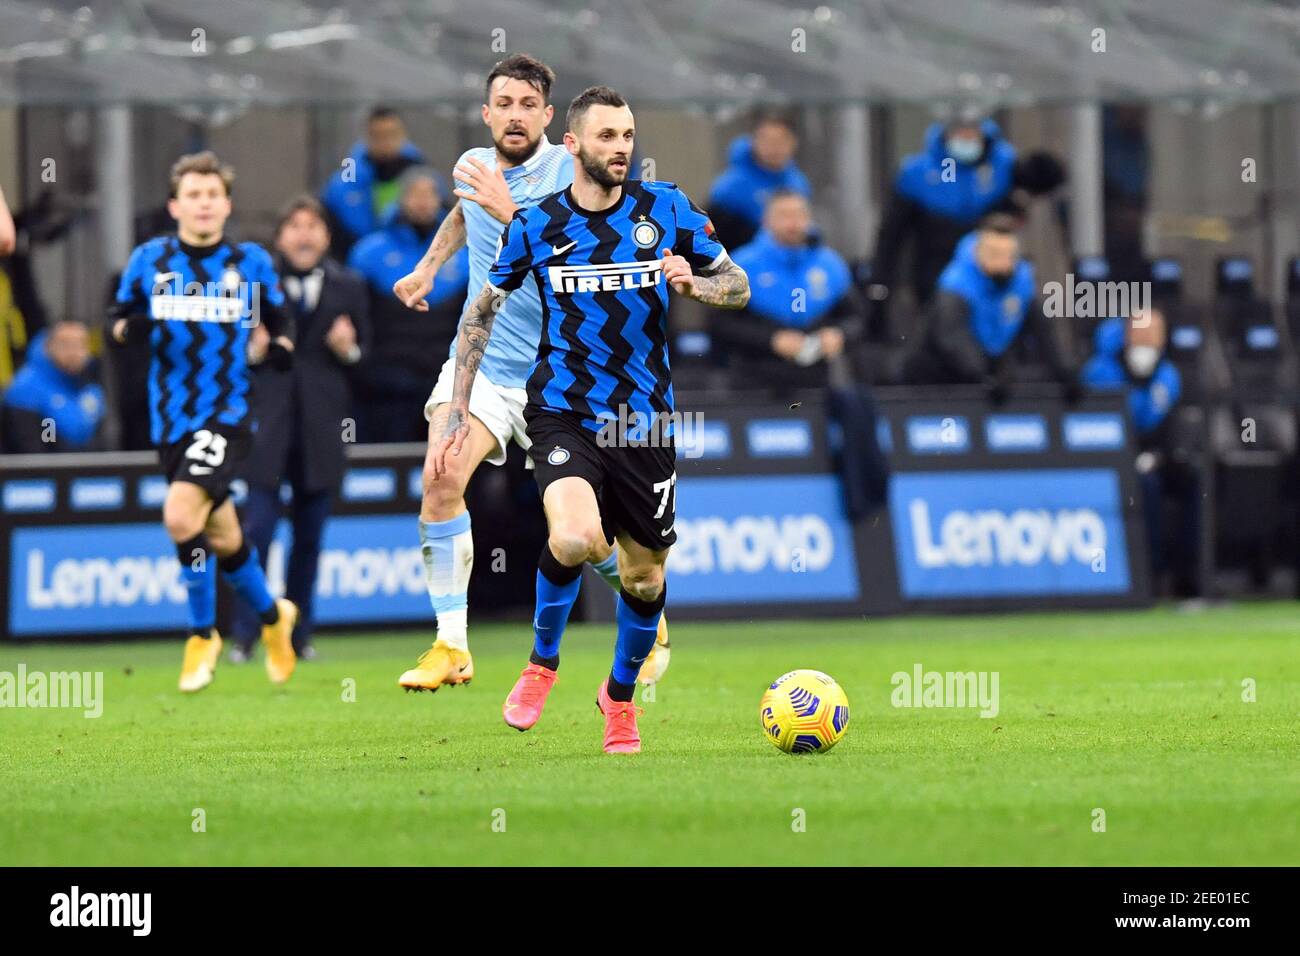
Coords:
601,252
299,440
54,403
360,195
964,171
758,166
195,296
521,168
409,346
986,305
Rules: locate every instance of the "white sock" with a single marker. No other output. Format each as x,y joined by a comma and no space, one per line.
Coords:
448,549
452,629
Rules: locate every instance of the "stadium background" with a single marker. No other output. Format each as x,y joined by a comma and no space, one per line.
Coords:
111,94
1126,734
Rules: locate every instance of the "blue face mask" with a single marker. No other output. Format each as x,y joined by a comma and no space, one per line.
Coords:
964,150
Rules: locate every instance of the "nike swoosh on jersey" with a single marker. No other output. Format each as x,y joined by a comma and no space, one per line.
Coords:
561,250
668,530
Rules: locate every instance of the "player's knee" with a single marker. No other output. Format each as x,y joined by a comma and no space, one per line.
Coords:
443,498
181,523
572,542
644,583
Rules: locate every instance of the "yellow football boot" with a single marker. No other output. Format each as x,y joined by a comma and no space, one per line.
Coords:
278,639
654,666
441,665
200,663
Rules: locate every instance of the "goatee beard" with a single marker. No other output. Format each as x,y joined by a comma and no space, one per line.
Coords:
517,155
598,173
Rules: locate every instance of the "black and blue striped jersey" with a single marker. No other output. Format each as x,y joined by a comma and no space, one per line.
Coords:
203,303
604,341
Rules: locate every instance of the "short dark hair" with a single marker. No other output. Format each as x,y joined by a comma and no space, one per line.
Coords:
382,112
591,96
785,192
304,202
521,66
1003,223
773,117
205,164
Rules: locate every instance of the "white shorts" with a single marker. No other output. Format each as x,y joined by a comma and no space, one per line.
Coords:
501,409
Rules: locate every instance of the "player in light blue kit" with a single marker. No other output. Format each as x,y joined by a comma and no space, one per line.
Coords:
520,169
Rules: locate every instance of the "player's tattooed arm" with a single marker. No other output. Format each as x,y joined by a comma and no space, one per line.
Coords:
471,343
723,285
447,241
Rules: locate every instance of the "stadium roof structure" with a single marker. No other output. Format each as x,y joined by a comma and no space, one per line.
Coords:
709,52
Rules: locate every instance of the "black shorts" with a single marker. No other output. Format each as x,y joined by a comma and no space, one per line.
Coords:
636,485
209,458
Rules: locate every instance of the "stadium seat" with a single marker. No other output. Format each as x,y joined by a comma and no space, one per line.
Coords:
1254,430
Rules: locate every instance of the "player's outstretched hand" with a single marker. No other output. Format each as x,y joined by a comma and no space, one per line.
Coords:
413,287
453,439
490,189
677,272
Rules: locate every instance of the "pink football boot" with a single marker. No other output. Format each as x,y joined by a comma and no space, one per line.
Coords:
524,706
621,735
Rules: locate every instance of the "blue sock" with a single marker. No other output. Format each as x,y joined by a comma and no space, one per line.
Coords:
448,550
638,625
244,574
199,574
557,589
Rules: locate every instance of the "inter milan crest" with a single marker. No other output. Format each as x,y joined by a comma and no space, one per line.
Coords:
645,234
558,455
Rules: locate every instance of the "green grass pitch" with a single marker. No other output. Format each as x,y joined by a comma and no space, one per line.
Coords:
1138,714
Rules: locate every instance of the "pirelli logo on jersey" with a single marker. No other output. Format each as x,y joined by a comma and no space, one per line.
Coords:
198,308
606,277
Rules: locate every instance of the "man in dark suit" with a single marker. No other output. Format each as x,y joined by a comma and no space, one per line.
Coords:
303,415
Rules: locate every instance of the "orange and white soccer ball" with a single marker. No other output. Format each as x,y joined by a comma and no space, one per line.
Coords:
804,711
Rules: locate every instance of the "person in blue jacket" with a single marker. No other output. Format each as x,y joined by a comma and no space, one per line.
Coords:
804,313
1129,357
758,165
965,171
409,348
361,195
52,404
803,329
985,317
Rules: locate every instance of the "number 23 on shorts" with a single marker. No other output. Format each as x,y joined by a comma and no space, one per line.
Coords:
210,447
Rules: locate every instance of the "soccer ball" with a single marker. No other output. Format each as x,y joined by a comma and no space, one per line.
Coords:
804,712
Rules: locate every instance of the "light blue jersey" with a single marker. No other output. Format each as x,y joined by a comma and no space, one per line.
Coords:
513,347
